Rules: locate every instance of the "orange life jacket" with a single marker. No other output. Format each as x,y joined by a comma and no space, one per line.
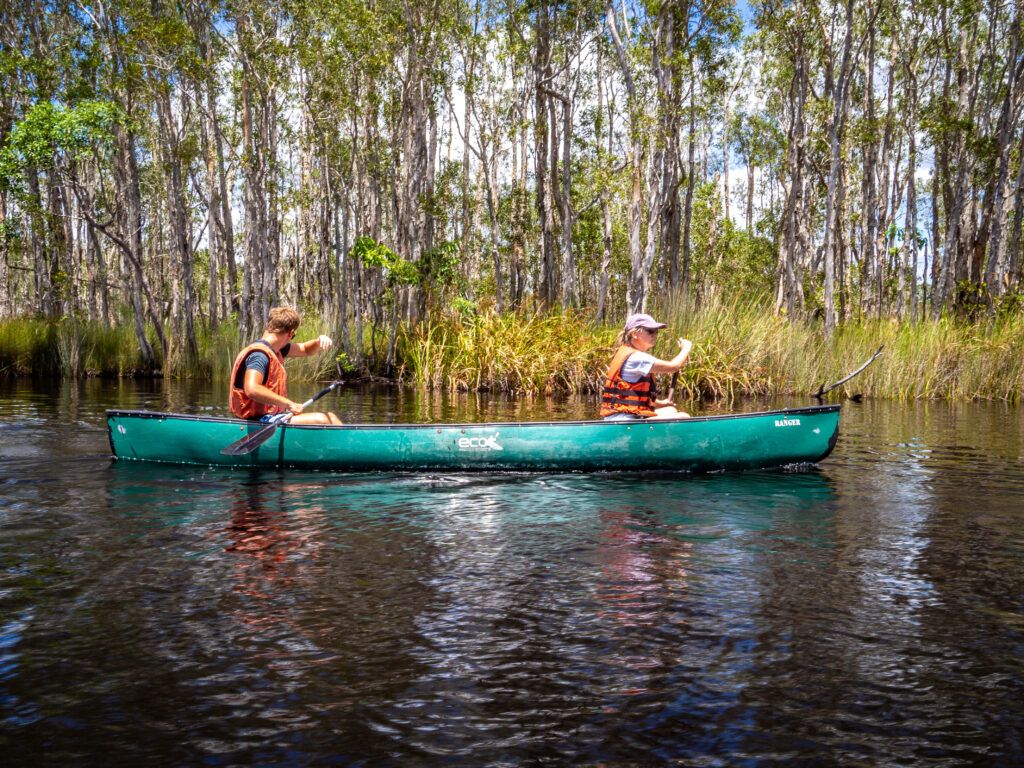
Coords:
243,406
621,396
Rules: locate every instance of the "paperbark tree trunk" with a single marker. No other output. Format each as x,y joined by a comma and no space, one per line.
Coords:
636,288
833,205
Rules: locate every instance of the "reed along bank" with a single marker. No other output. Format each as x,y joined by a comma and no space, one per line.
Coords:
740,348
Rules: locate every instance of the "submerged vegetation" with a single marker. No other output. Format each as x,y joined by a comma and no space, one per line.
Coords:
740,348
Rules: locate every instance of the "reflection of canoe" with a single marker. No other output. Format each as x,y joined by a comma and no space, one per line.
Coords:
701,444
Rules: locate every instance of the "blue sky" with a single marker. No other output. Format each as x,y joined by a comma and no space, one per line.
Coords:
747,13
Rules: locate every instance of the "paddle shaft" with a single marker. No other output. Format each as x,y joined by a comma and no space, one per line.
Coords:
250,443
333,385
672,386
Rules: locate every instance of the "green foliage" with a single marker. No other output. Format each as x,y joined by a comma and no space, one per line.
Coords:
344,364
10,230
708,263
52,136
759,140
402,272
745,263
397,271
440,273
440,265
464,308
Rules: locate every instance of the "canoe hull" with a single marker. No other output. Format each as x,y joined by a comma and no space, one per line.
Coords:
702,444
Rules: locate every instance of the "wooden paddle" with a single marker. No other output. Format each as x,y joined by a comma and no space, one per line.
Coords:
250,443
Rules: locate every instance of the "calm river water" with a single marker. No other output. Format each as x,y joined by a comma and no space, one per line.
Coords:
869,612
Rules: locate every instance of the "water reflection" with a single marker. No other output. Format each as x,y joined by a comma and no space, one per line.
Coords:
258,534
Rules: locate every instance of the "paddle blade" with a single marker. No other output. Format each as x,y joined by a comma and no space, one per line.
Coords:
250,443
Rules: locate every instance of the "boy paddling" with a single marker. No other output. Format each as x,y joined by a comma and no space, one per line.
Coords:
259,384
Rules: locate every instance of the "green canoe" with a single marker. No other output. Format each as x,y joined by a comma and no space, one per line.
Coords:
700,444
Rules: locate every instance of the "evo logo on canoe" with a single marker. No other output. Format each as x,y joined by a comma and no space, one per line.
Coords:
787,422
480,443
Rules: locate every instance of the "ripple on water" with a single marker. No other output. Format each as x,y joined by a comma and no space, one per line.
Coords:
863,613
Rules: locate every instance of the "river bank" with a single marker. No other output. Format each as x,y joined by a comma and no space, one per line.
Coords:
740,348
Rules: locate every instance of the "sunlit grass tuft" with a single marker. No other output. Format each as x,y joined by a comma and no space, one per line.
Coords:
523,352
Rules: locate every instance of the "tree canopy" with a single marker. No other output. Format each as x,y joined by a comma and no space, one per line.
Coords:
173,164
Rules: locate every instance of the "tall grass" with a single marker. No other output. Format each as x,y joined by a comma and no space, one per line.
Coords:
68,348
71,348
740,347
744,348
950,359
522,351
217,350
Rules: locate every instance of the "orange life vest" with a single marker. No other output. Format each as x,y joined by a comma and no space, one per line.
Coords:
243,406
621,396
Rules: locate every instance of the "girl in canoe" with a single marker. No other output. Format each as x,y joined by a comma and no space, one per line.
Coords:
629,391
259,384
